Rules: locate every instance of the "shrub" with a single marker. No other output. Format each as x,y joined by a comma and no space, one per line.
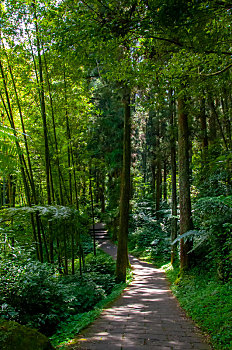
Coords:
101,263
213,215
149,236
33,294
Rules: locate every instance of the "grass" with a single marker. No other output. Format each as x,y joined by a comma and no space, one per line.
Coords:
70,328
207,301
157,261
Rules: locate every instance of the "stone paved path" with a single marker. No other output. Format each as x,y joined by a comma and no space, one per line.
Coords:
146,316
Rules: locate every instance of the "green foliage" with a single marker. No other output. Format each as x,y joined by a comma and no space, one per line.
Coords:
214,216
34,294
148,237
212,239
75,323
8,150
214,178
62,221
101,263
30,293
207,301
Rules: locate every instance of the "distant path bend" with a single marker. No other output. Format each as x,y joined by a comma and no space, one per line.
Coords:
146,316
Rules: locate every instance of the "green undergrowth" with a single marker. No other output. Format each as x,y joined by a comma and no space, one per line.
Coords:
70,328
206,300
156,260
36,295
149,236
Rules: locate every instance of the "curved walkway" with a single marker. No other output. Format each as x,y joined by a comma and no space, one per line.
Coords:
146,316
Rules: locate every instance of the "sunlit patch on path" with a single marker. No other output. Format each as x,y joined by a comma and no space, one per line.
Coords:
146,316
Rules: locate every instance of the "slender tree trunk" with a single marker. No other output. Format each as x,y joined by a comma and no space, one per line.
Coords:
158,184
158,169
71,163
184,184
65,252
225,108
68,138
40,226
45,129
23,166
31,178
122,253
59,255
43,109
81,259
216,117
57,161
153,170
73,252
102,193
203,124
75,180
92,208
40,245
212,128
165,181
173,172
9,114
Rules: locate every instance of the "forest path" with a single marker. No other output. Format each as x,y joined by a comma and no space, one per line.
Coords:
146,316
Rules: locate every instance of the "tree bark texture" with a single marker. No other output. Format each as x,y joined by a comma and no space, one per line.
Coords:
158,169
122,253
173,173
184,183
203,123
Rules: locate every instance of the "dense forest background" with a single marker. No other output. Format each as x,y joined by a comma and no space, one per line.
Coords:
117,112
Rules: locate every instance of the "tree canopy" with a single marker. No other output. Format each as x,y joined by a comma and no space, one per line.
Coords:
117,112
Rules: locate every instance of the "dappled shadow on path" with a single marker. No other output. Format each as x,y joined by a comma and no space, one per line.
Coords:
146,316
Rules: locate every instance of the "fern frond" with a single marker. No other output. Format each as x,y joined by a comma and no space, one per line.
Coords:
188,234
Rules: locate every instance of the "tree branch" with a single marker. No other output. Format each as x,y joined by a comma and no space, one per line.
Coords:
171,41
216,73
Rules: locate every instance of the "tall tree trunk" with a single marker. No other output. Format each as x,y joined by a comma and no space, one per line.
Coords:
153,171
184,184
226,114
57,160
31,177
203,125
122,253
158,184
65,251
45,130
71,163
102,192
158,169
173,172
43,109
165,181
40,245
9,113
75,180
73,251
68,137
23,166
216,117
92,208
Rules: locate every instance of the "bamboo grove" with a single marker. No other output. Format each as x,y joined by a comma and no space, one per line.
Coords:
95,94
